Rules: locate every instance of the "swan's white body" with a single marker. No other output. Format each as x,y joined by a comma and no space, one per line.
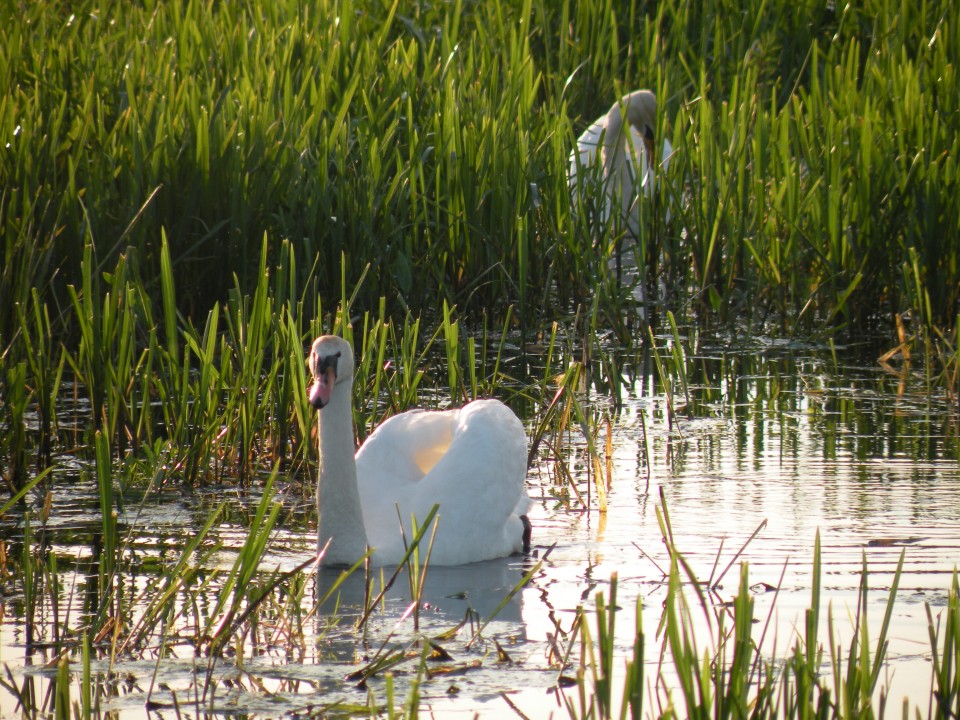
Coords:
617,160
471,462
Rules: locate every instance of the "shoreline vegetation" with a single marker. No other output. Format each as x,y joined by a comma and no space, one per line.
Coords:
424,149
191,191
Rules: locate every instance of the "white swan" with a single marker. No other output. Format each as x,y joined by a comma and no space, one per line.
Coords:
627,160
471,462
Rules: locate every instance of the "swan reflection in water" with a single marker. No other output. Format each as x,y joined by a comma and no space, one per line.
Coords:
448,592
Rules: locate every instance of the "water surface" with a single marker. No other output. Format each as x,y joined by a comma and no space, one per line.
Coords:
783,438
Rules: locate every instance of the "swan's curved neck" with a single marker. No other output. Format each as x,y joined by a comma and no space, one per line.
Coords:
340,515
613,139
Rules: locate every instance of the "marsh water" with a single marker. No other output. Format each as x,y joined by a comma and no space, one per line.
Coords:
772,444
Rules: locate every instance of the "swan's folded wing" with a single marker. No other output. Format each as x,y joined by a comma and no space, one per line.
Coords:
479,482
392,460
475,462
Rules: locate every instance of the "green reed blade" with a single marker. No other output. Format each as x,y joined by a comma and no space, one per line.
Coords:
108,552
238,585
168,297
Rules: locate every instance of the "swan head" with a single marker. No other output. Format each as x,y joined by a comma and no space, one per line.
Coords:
640,107
331,363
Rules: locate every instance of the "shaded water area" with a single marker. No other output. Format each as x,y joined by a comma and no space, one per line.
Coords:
787,439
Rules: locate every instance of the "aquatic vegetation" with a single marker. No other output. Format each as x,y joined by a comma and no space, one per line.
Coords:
815,153
226,612
731,672
946,671
185,260
193,191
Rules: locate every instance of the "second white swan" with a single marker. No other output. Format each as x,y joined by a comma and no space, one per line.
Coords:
628,163
471,462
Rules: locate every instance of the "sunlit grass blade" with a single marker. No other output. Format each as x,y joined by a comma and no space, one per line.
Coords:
237,586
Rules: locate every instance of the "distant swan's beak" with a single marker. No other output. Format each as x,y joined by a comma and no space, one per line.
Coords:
648,144
324,376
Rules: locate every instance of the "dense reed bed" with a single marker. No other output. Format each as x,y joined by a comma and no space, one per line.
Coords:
425,147
228,399
159,161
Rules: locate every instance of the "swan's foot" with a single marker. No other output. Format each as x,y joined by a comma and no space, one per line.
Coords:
527,532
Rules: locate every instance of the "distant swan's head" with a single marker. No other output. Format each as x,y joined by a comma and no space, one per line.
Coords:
331,363
641,111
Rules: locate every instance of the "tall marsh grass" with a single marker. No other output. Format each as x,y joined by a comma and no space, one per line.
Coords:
425,147
228,400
